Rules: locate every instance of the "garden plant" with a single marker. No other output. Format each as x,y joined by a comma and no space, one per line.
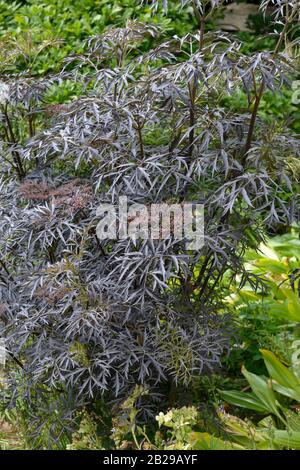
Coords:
110,341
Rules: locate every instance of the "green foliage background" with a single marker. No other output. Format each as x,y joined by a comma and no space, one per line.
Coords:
74,20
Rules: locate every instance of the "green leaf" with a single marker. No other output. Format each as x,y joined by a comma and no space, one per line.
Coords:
287,439
273,266
205,441
293,421
281,374
287,392
262,388
244,400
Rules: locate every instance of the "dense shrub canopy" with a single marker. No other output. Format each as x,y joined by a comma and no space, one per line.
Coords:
87,317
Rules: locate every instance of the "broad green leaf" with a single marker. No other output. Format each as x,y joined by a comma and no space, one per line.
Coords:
293,420
267,252
287,439
240,427
287,392
286,245
283,309
205,441
280,373
273,266
262,388
247,296
245,433
244,400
